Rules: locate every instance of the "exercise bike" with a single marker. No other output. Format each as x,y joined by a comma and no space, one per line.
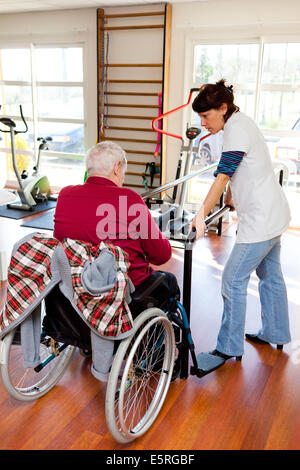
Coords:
35,188
170,215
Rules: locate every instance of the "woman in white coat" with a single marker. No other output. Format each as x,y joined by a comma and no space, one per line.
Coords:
263,213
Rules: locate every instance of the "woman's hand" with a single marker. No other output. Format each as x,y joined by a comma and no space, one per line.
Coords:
228,201
213,195
199,224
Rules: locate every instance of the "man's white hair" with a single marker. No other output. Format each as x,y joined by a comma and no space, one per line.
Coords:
101,159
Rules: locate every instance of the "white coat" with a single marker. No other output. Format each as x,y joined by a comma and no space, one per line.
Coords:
261,205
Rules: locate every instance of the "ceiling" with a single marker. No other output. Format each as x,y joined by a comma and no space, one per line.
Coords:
18,6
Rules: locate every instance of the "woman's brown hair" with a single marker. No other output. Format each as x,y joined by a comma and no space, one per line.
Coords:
212,96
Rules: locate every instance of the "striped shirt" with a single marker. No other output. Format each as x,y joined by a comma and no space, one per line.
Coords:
229,162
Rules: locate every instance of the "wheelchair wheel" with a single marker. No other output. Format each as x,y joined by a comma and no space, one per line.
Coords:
28,384
140,376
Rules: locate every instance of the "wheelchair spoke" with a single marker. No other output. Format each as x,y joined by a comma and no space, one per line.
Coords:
27,383
139,390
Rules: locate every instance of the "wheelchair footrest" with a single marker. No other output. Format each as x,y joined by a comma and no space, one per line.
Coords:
206,363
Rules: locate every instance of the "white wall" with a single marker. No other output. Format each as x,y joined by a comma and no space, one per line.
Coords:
216,20
58,27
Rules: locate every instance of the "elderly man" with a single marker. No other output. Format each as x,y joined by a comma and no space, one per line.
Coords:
102,209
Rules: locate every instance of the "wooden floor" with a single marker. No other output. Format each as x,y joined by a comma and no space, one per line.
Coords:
250,405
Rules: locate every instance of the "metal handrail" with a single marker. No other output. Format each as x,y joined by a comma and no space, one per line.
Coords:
279,167
219,213
160,189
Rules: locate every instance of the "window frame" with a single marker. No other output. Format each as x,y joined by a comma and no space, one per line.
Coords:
193,40
34,84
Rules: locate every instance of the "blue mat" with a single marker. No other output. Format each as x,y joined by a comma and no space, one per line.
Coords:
45,221
19,214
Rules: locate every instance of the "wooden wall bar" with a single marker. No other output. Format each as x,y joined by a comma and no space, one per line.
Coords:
132,15
166,73
128,82
100,44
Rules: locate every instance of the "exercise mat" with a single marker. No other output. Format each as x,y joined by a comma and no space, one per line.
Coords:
45,221
21,214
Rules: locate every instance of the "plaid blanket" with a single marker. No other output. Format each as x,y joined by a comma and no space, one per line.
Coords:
39,263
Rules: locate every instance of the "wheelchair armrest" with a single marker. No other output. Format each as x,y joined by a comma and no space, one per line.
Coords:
148,286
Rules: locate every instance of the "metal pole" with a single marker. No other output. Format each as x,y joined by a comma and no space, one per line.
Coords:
170,185
186,300
184,186
187,285
220,223
14,158
281,177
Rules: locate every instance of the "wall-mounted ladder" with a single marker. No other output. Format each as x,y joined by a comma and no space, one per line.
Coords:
133,76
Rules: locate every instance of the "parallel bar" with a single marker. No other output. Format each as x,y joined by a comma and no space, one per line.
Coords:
139,152
166,186
119,116
132,173
216,215
141,163
130,93
134,65
135,81
119,28
120,128
138,141
133,15
138,185
151,106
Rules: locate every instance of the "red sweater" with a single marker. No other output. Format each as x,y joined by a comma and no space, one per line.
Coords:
100,210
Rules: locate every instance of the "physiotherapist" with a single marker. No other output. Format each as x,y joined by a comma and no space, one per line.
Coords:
253,190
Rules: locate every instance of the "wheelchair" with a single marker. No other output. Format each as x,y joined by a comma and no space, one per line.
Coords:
143,366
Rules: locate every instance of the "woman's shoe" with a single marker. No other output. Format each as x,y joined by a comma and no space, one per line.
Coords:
255,339
215,352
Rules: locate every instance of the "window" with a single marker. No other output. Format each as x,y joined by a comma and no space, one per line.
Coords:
236,62
48,82
266,79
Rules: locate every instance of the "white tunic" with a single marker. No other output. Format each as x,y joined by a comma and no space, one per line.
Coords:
261,205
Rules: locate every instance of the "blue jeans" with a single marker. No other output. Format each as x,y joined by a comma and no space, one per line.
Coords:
264,257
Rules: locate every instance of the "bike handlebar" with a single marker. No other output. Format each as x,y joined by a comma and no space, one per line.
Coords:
11,124
158,118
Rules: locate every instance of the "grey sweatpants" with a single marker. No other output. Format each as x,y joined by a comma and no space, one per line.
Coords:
102,348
